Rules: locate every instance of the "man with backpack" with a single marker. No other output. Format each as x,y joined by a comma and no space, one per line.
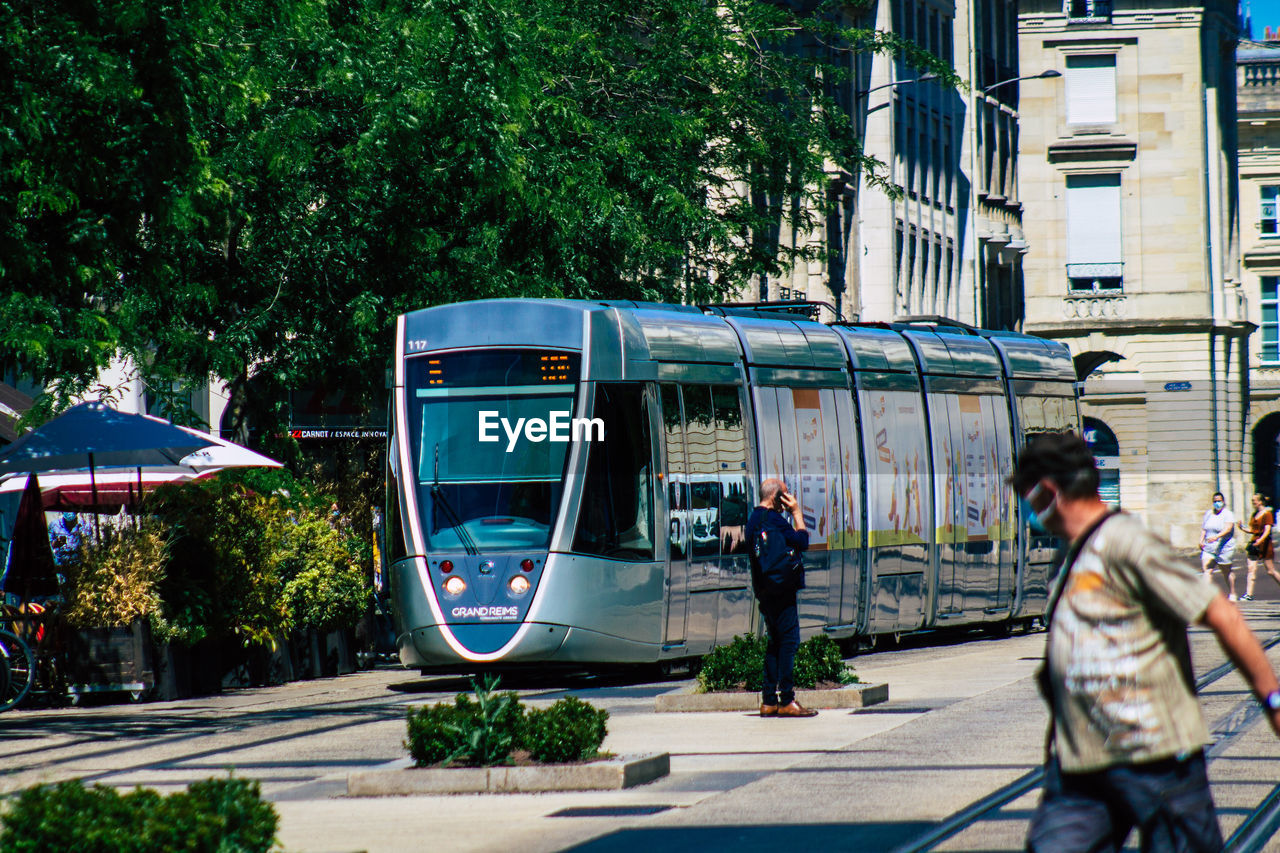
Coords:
777,573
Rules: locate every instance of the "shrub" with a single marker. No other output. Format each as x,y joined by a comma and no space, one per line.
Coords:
570,730
737,666
740,665
216,815
479,732
819,659
224,567
324,586
117,580
254,554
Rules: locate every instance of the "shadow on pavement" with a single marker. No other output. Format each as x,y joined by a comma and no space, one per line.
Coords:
768,838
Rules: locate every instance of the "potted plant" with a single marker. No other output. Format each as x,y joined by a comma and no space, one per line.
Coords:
112,594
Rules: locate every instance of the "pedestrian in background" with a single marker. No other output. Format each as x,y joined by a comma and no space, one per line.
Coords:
1261,549
777,574
1218,544
1126,734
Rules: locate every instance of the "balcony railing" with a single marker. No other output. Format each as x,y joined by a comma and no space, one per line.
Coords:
1092,11
1261,73
1084,279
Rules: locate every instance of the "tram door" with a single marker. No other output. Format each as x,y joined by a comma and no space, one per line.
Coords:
676,486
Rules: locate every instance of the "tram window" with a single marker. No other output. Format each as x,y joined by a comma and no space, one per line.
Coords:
616,519
677,498
731,454
1047,414
393,531
704,480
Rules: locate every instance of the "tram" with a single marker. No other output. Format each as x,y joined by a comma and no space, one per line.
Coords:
569,481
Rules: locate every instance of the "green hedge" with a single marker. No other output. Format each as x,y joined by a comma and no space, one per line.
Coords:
486,730
479,732
213,816
570,730
740,665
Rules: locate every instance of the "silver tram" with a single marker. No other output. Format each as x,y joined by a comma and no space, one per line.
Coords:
568,481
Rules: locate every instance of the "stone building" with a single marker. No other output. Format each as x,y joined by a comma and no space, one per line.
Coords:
1129,181
1258,99
949,244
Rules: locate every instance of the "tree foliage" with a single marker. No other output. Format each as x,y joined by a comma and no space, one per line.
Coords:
256,188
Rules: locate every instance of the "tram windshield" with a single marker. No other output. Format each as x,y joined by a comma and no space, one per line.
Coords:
488,477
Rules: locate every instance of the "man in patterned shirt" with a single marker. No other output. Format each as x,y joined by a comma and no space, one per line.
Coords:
1126,732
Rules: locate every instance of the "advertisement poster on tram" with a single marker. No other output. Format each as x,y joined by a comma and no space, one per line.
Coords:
813,463
894,471
975,467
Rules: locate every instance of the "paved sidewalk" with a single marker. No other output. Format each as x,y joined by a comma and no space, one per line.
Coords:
963,719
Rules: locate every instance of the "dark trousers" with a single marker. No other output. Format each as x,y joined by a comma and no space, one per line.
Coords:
1168,801
782,621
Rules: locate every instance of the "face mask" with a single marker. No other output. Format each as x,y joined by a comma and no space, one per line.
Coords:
1217,506
1045,514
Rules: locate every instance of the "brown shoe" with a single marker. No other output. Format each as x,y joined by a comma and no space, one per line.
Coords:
768,710
795,709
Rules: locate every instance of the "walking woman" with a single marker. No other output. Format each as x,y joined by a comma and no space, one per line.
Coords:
1260,549
1218,543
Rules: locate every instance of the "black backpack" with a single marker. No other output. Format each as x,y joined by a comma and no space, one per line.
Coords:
778,568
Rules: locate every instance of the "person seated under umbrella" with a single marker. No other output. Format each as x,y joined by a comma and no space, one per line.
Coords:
66,537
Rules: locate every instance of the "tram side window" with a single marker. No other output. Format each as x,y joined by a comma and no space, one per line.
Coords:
704,480
1047,414
677,495
616,518
393,532
731,454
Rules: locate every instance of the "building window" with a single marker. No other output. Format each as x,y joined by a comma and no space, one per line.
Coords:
1091,89
1088,10
798,295
1270,198
1094,259
1106,455
1270,320
784,293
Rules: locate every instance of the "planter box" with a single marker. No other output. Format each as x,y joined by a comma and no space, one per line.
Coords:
257,665
851,696
189,670
110,659
609,775
324,655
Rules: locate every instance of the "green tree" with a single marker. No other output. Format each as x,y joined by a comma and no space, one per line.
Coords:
255,189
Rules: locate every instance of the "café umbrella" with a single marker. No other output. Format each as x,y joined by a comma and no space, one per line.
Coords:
93,436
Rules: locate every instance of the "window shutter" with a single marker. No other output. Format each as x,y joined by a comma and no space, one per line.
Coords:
1091,89
1093,219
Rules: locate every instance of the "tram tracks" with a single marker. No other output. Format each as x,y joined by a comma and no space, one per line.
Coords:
1251,836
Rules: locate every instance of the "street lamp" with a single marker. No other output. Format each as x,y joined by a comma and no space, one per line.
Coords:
923,78
1048,74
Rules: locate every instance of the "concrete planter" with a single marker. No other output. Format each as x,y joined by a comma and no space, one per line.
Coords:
850,696
402,779
111,660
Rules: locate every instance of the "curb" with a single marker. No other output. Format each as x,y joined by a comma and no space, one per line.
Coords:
852,696
610,775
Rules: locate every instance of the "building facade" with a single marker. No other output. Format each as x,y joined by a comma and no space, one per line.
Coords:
1129,179
1258,100
944,242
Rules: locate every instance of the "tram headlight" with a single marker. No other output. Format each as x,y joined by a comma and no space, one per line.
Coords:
518,584
455,585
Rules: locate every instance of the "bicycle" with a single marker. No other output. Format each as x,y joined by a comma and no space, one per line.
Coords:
25,670
17,669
